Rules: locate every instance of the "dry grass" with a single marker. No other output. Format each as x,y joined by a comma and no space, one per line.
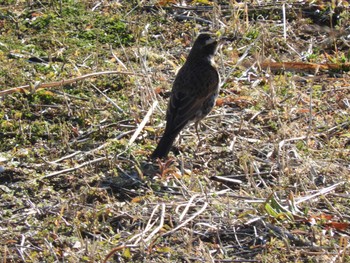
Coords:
268,181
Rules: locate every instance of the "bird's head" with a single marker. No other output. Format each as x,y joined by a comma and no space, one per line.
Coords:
205,46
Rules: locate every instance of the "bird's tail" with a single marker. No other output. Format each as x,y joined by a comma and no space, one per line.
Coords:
164,146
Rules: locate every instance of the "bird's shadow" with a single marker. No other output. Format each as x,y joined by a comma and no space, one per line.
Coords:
141,180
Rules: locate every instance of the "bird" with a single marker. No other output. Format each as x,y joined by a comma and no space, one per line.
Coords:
194,91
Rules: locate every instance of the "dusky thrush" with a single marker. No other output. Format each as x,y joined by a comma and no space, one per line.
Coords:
194,91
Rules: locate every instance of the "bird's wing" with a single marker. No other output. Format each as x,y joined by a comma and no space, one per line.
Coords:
188,95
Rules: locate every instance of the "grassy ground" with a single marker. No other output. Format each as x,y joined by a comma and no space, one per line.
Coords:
268,181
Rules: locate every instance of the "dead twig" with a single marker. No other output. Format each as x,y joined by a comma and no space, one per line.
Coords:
187,220
74,168
26,88
158,228
299,66
107,98
143,123
139,237
116,249
322,191
283,142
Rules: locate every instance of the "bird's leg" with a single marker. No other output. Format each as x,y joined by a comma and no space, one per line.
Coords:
197,123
